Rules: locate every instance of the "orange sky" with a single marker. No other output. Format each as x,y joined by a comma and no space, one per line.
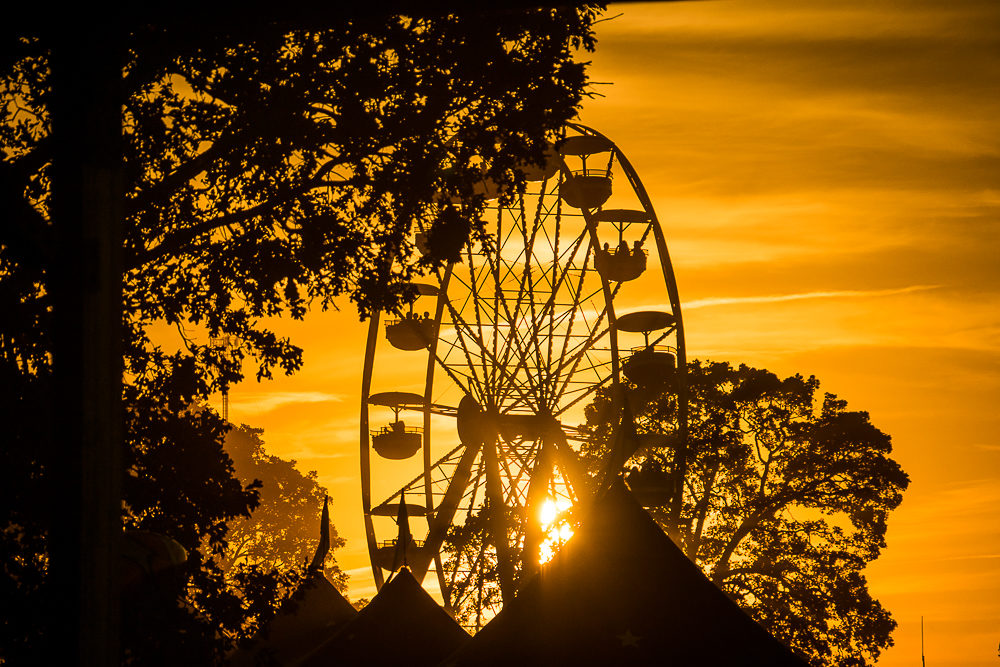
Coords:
827,175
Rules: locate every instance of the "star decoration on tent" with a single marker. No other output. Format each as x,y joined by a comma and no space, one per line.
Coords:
628,639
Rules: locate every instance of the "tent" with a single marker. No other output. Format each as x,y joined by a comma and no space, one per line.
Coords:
402,625
620,592
312,614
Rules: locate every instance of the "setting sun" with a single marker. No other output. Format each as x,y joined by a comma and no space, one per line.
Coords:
556,530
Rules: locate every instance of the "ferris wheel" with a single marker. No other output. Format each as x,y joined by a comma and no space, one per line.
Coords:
472,401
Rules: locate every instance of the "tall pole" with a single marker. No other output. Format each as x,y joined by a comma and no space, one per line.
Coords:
923,659
86,284
223,343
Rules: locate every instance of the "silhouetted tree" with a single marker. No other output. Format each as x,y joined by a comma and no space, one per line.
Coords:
473,571
281,533
785,501
265,173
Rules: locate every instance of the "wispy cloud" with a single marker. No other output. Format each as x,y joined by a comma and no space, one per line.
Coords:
359,571
973,557
312,454
265,402
778,298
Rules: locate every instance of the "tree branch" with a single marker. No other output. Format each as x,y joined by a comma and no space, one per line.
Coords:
702,511
172,245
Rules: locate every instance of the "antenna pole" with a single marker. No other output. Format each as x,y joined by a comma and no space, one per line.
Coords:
923,659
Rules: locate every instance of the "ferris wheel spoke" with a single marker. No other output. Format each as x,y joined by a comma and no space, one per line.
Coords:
582,395
521,455
549,246
542,365
466,387
460,324
523,467
512,318
585,345
477,301
524,281
471,498
588,388
593,368
565,259
516,344
557,286
572,314
525,391
451,458
496,303
511,494
572,358
507,267
533,339
511,321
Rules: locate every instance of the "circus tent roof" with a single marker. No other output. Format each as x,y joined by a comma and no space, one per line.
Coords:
312,614
621,592
402,625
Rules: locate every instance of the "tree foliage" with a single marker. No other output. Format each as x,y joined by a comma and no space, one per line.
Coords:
785,501
470,558
282,533
265,172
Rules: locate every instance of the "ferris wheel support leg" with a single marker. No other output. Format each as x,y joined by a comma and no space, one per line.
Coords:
443,583
537,489
568,462
445,514
499,527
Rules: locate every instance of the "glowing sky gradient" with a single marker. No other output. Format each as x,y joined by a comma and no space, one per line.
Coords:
827,175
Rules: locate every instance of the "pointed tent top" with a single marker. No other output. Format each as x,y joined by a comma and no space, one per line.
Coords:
621,592
313,614
405,537
324,539
403,517
402,625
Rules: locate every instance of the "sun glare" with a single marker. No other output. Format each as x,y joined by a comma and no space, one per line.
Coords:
556,531
548,513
